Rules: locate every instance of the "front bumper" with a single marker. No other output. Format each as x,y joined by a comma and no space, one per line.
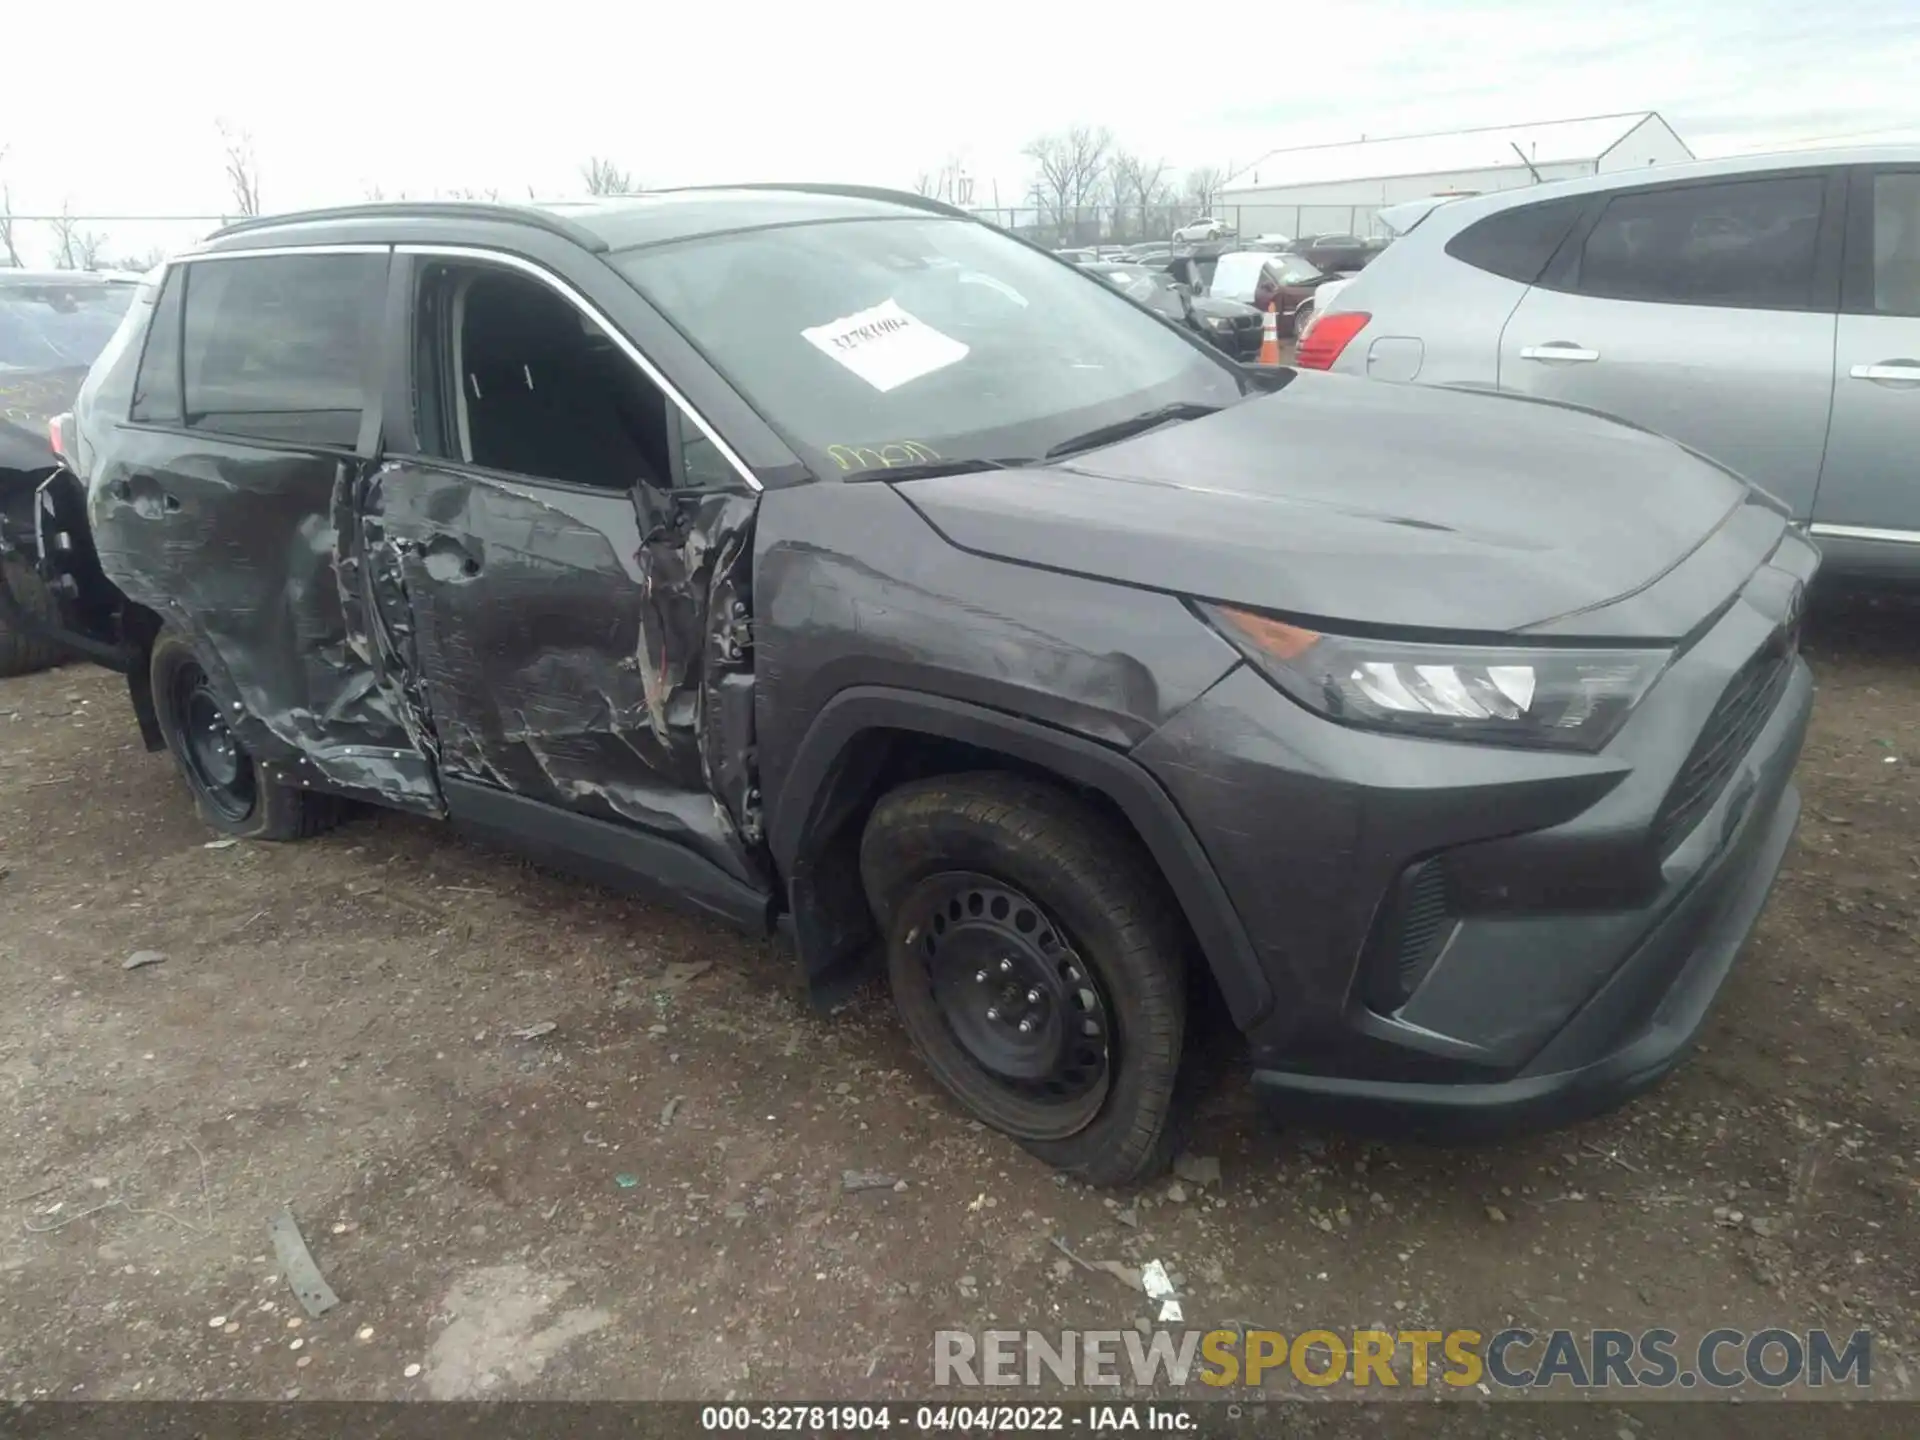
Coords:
1576,936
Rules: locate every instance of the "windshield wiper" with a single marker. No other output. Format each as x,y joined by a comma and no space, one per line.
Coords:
930,469
1122,429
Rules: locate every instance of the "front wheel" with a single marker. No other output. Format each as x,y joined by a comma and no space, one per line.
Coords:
228,788
1038,965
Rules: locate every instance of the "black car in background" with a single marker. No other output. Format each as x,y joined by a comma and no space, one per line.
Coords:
1229,325
52,326
1337,254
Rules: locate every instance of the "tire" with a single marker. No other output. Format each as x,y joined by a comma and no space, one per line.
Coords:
227,787
23,654
1018,888
1302,318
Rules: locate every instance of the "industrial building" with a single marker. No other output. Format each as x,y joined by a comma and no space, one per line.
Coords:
1336,189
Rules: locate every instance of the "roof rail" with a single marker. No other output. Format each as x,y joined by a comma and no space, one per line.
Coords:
424,209
852,192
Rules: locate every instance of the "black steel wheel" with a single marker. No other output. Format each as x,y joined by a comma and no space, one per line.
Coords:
1018,999
216,766
233,793
1038,965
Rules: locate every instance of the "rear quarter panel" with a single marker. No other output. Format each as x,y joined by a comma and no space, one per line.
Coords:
1434,320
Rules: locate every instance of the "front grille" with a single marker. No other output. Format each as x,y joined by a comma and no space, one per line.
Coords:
1729,733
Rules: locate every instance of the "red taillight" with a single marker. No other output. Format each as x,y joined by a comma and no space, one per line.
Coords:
57,430
1327,337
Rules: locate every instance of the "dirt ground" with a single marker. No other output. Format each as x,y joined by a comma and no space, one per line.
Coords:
648,1200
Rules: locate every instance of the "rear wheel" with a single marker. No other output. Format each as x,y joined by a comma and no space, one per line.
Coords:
1302,318
228,788
20,653
1037,964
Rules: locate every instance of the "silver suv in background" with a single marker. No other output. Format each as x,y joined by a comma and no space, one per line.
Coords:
1763,310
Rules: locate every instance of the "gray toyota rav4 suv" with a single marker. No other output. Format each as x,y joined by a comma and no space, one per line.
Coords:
847,568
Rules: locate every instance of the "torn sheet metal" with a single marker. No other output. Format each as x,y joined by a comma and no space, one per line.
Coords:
235,546
309,1286
556,640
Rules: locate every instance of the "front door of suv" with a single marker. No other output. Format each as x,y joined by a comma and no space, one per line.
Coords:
1703,310
1870,489
547,542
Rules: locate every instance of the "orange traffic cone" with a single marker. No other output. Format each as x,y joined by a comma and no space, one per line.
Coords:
1269,337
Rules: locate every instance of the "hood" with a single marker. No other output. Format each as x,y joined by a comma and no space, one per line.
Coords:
1371,505
28,400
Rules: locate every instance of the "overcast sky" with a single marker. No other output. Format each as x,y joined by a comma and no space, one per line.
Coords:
117,113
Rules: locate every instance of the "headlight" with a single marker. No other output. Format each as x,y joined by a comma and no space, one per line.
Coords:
1219,322
1533,696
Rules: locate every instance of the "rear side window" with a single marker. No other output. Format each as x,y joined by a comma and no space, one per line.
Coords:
1516,244
278,348
1749,244
156,389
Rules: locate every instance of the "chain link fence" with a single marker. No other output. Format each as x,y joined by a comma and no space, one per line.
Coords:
1145,224
138,242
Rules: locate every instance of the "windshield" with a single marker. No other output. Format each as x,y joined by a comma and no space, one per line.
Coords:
58,326
943,339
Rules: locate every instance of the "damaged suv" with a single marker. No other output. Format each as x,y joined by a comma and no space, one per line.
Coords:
842,566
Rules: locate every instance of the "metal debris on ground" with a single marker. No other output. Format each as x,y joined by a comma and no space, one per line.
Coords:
684,972
309,1286
1129,1217
536,1030
1154,1280
224,843
856,1180
626,1182
141,958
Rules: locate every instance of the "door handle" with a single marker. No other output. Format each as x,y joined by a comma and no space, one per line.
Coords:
1558,350
1897,370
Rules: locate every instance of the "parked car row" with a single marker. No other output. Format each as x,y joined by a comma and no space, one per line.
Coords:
52,325
835,564
1763,310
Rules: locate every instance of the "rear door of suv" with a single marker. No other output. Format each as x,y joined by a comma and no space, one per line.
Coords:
255,405
1704,310
1869,502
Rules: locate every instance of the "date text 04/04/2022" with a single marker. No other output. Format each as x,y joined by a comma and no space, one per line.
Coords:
1000,1419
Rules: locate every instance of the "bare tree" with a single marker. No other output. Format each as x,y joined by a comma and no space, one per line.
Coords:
1203,187
243,170
1069,169
927,183
474,192
6,226
67,242
1149,185
603,177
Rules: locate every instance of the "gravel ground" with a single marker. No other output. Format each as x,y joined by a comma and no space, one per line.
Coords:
648,1200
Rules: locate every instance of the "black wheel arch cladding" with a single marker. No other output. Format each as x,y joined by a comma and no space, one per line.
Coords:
829,784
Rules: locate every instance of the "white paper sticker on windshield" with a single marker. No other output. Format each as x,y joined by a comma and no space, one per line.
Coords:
885,346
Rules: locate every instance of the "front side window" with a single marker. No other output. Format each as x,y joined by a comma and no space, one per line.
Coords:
278,347
1748,243
941,335
58,326
510,376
